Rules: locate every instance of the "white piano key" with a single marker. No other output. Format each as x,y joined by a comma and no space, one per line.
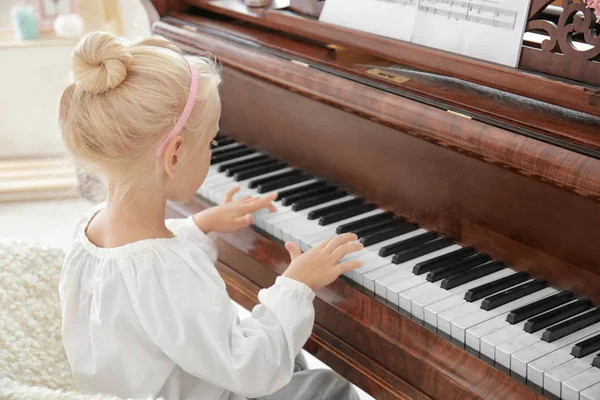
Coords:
432,310
488,342
445,318
572,387
261,215
219,191
369,276
431,292
278,222
520,359
504,350
475,333
308,230
215,150
460,326
369,260
360,273
404,271
591,393
396,286
537,368
554,377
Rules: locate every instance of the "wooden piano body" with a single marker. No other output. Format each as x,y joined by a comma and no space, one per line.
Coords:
505,160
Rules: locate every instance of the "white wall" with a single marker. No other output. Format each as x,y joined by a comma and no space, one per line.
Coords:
31,81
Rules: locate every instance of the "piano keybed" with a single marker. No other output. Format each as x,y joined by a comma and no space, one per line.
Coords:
547,338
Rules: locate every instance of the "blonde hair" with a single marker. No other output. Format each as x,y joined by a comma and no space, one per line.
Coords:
124,100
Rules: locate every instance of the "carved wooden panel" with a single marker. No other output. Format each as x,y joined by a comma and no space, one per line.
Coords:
572,47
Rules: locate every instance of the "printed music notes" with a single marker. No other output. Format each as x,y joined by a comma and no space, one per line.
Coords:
470,11
487,29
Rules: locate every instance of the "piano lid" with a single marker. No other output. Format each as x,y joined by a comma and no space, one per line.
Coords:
558,61
555,124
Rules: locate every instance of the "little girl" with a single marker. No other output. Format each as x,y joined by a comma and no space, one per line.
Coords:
145,312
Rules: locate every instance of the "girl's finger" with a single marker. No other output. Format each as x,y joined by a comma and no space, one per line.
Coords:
348,266
230,194
323,244
244,221
258,204
345,249
293,249
340,240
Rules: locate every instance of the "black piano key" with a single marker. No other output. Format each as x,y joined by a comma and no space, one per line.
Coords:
230,149
261,181
258,171
220,141
427,248
335,208
290,196
572,325
227,166
471,274
512,294
596,361
489,288
538,307
407,244
378,227
586,347
361,223
345,214
291,200
219,158
318,199
551,317
245,165
457,267
389,233
426,266
281,183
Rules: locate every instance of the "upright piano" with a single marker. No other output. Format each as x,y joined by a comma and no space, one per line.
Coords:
475,188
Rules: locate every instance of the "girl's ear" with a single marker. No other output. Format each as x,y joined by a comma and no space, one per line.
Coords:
172,155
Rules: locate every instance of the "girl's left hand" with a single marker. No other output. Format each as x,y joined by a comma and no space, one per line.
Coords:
232,215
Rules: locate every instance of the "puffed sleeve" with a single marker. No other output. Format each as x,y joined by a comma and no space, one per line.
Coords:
189,231
186,311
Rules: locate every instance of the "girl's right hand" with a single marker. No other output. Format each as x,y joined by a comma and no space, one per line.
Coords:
320,266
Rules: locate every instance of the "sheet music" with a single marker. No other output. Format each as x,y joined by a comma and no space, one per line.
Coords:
391,18
486,29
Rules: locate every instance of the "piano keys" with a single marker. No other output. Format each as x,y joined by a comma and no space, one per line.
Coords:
416,277
474,187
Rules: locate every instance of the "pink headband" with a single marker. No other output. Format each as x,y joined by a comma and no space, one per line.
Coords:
186,111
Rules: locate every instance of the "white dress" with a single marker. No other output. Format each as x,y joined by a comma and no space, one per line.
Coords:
153,319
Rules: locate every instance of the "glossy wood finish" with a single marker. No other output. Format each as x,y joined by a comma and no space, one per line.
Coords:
562,168
396,354
480,102
548,89
530,204
338,355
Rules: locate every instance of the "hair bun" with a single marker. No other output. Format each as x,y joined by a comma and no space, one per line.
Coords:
100,62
